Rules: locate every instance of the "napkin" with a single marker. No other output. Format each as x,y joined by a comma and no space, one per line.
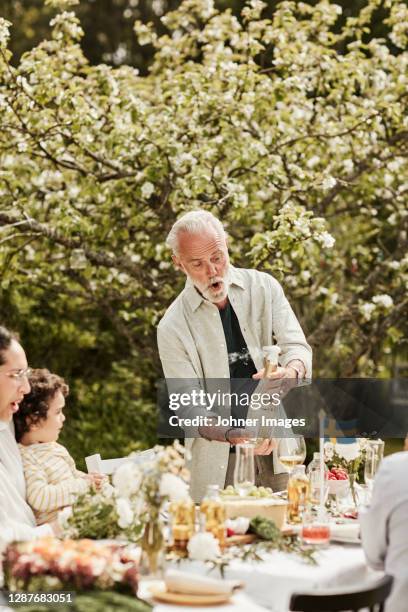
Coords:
345,530
239,525
193,584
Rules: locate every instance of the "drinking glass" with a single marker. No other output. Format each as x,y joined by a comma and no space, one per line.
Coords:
298,495
291,452
374,455
244,472
315,527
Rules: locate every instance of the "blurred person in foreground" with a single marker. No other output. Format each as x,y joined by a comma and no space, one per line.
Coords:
384,527
52,480
215,329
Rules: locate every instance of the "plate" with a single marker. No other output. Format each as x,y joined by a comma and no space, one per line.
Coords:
240,539
187,599
345,540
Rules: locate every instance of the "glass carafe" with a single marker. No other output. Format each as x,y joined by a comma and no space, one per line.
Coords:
244,472
314,474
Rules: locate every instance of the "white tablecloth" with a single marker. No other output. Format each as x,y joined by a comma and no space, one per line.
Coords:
271,582
240,602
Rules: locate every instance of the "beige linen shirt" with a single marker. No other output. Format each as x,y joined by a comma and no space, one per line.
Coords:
192,345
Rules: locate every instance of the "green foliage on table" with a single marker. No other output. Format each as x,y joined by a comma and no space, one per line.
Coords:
96,601
292,129
265,528
95,516
273,539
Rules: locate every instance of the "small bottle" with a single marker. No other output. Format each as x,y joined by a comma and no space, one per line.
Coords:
213,513
313,472
182,522
298,494
270,361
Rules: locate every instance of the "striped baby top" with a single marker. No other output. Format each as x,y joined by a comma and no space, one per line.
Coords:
52,480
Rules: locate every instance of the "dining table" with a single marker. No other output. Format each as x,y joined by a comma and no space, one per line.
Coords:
270,582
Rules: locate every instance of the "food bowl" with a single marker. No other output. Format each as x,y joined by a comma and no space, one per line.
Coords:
338,487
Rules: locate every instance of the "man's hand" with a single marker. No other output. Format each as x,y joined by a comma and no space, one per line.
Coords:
225,434
279,373
237,436
281,381
265,447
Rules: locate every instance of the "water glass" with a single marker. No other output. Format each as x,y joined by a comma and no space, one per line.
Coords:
244,472
315,527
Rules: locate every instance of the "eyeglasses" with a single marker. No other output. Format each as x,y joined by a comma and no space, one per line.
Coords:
18,374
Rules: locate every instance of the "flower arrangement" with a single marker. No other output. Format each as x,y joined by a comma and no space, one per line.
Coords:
349,457
164,479
103,514
81,565
130,508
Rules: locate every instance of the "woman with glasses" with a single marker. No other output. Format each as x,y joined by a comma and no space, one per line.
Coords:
17,520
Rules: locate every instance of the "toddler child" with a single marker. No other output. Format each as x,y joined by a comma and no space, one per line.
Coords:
52,480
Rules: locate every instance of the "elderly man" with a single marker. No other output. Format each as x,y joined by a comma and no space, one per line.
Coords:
215,329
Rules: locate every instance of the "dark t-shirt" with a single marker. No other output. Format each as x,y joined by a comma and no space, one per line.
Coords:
241,365
240,361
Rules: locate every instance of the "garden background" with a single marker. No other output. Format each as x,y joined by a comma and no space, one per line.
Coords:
287,120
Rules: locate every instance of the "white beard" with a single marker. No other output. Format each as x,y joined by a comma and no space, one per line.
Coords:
213,295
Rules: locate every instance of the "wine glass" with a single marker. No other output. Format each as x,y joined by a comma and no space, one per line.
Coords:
291,452
244,472
374,454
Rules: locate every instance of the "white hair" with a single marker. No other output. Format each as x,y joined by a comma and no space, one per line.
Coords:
193,222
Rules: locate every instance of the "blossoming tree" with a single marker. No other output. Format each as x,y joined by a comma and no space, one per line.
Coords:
300,148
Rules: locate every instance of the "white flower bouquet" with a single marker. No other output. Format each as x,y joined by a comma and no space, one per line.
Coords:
138,491
103,514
